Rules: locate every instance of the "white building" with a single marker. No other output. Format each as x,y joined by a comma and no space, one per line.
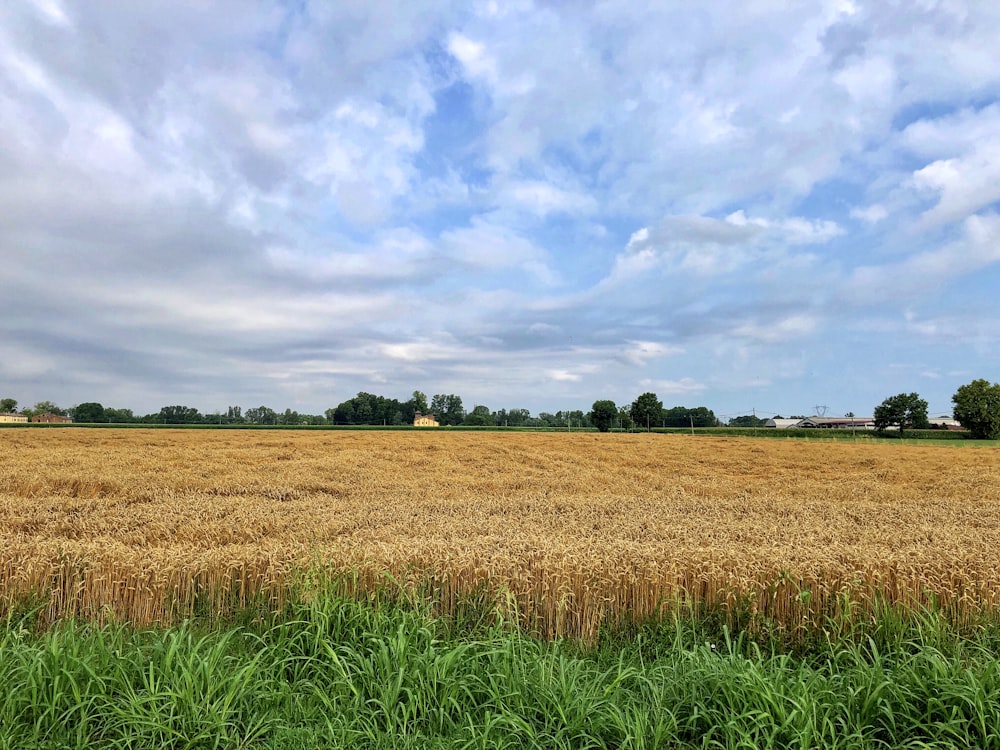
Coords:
781,424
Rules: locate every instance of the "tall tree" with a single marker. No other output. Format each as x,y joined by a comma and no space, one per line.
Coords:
8,405
513,417
702,416
290,418
904,410
647,410
179,415
89,412
977,409
625,418
419,400
603,414
47,407
480,416
447,407
119,415
676,416
261,415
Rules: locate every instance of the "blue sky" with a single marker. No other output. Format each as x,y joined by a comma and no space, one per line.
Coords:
532,205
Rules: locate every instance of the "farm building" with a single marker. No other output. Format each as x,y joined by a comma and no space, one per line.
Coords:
51,419
781,424
944,423
838,423
424,420
7,418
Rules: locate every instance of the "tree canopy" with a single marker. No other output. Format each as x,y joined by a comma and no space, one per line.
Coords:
448,409
682,416
647,411
368,408
480,416
179,415
44,407
88,412
977,408
904,410
603,414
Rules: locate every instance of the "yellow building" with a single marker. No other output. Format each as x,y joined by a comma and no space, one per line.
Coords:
424,420
13,418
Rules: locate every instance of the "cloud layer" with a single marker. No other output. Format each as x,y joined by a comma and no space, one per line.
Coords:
529,204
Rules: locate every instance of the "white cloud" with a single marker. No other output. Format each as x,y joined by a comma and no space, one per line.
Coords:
493,246
472,55
965,184
543,198
704,122
794,230
977,248
417,351
640,352
778,331
870,214
564,376
706,247
544,329
675,387
52,11
870,80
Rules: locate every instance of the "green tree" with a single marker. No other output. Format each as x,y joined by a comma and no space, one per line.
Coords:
625,418
342,414
419,400
513,418
480,416
45,407
8,405
89,412
290,417
547,419
904,410
647,411
676,416
702,416
603,414
119,415
447,407
977,409
747,420
261,415
179,415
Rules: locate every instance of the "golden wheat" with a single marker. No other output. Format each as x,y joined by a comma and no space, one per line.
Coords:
150,525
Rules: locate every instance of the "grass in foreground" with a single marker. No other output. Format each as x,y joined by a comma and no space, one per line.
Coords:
342,673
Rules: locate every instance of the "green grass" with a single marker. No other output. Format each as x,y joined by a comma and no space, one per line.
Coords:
336,672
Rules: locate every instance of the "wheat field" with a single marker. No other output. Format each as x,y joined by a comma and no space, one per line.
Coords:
570,530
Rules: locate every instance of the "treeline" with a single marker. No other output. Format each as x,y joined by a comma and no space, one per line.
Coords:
977,409
373,409
362,409
448,409
647,413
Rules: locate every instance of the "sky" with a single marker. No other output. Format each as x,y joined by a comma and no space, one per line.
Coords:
760,207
